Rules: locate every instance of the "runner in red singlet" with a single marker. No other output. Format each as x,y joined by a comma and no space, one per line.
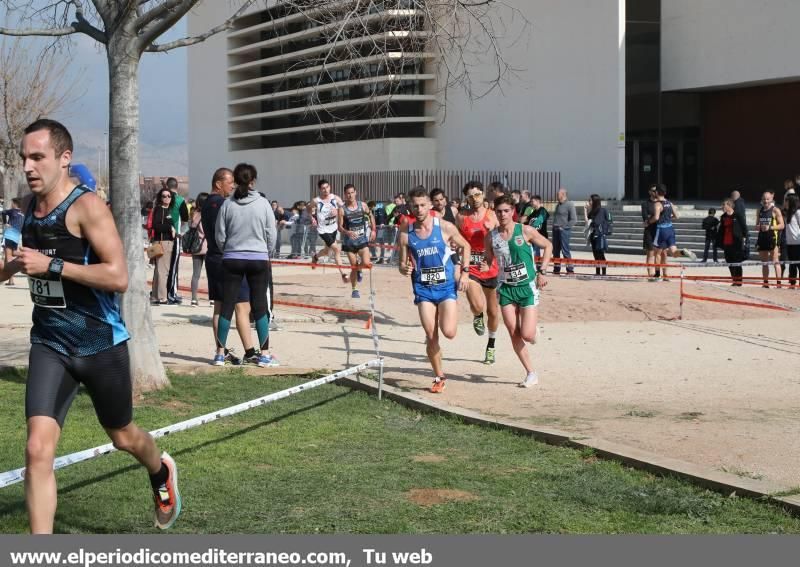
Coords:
474,225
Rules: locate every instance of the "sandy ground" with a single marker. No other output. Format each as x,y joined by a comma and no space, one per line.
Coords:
720,388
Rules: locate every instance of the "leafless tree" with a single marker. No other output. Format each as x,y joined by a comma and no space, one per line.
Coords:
127,29
462,33
31,86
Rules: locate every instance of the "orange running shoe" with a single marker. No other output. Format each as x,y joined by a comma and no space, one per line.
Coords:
167,497
438,386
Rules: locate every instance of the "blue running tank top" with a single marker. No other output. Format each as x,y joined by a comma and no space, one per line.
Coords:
433,265
356,220
665,218
70,318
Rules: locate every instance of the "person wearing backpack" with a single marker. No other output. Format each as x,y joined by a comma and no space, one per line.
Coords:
599,223
194,243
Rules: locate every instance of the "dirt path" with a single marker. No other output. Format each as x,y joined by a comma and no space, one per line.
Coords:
720,388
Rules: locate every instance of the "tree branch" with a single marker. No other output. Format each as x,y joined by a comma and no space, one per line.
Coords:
44,32
186,41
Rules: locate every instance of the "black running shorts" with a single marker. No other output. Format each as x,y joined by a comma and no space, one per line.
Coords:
53,380
488,283
329,239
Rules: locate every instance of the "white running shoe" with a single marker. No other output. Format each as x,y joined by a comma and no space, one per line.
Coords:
530,380
689,254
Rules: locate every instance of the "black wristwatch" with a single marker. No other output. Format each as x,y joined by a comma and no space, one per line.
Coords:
56,267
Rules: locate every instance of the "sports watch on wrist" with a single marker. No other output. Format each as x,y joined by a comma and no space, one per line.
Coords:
56,267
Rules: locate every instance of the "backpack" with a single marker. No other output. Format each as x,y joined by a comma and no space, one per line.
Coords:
380,215
192,242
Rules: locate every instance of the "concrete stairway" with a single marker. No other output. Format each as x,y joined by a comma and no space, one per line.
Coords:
627,237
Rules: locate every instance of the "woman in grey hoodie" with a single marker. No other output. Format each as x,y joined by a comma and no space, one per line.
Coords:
245,233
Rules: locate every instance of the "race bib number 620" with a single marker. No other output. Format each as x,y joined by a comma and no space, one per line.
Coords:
47,293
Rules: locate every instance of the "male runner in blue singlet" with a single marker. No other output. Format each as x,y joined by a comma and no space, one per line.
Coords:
425,255
74,260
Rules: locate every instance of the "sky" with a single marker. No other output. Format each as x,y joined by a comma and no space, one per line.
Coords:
163,105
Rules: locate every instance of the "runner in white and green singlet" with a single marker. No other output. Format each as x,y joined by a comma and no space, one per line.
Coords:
518,293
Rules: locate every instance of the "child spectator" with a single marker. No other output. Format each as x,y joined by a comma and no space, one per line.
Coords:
710,225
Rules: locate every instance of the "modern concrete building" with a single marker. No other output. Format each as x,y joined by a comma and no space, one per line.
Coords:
613,94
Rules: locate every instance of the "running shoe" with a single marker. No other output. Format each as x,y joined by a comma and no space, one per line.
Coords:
489,359
360,276
167,498
345,278
267,361
537,337
530,380
689,254
314,261
194,303
227,358
478,325
438,385
355,294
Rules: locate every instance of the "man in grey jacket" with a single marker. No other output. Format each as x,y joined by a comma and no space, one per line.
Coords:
564,219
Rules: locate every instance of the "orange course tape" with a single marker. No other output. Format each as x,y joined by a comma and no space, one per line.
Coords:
733,302
368,324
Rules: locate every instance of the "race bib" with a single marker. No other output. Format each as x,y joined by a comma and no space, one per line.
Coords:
47,293
516,273
476,258
329,221
359,231
433,276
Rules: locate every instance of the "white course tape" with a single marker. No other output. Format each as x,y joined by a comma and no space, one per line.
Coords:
17,475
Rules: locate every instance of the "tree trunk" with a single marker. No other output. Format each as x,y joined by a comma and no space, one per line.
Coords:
12,185
123,61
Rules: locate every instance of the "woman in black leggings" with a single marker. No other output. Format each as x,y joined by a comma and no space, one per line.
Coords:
245,232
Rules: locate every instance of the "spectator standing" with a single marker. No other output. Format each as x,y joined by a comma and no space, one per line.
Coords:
221,188
740,210
710,225
648,238
598,220
564,218
180,219
792,220
13,220
731,238
536,216
245,232
769,225
280,219
161,227
198,258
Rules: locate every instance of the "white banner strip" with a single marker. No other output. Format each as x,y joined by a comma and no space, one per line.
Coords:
17,475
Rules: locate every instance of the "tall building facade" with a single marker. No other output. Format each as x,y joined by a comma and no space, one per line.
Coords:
613,94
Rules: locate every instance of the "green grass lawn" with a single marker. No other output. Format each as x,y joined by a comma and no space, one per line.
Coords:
332,460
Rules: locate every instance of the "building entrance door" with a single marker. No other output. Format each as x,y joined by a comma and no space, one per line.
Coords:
675,165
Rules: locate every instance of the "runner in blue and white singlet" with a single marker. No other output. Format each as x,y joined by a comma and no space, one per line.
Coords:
426,247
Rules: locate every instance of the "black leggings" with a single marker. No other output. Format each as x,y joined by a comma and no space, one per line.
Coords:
734,254
599,255
258,274
793,255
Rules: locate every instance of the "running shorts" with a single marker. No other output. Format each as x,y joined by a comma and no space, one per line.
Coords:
329,238
488,283
435,294
520,295
354,248
649,236
53,380
766,241
664,237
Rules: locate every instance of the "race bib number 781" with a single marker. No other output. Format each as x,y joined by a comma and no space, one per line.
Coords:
47,293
